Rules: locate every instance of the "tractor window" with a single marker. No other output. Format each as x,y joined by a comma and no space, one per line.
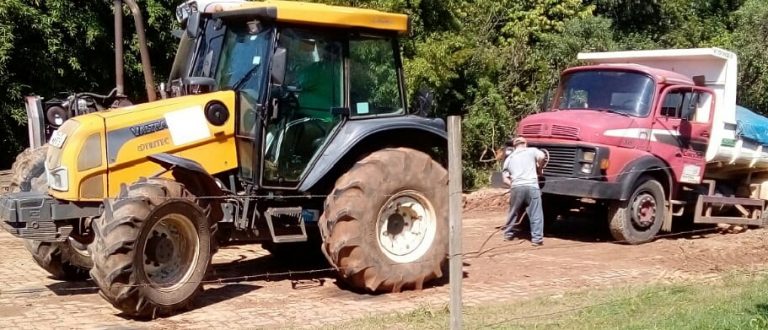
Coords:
313,86
208,52
243,58
373,77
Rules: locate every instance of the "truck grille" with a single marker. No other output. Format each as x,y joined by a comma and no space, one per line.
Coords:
561,161
567,132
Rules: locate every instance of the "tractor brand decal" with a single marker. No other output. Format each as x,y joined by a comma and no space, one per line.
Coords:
154,144
149,128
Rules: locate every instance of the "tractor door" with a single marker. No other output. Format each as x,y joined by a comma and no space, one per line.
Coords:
302,116
681,130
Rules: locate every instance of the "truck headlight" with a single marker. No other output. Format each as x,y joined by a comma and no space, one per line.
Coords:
586,168
588,156
58,178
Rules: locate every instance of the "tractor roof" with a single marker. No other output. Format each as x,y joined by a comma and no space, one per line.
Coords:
312,14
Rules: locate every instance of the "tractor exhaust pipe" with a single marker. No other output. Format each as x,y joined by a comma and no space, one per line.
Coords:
146,65
119,63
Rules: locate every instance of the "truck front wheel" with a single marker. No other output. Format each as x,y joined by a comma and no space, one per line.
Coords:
151,248
385,225
638,219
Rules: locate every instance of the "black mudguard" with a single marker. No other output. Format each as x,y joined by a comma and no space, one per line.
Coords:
642,166
190,173
357,132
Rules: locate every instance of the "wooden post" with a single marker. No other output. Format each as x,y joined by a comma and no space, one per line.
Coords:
454,216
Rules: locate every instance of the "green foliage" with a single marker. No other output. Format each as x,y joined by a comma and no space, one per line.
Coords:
494,60
750,41
53,46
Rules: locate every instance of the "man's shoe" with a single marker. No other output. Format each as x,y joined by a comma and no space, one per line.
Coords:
535,244
509,238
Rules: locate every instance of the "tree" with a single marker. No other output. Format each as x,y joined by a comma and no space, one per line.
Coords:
53,46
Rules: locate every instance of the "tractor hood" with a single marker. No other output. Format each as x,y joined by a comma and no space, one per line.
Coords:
94,153
577,125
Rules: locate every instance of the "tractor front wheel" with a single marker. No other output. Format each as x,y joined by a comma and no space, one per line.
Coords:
152,248
63,260
385,225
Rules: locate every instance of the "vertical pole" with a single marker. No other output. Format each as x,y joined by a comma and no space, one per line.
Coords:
454,217
119,81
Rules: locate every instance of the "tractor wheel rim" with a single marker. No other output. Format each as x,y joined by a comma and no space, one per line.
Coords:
73,244
644,210
171,251
406,227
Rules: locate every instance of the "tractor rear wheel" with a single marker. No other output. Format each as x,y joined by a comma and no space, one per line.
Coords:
61,259
152,248
385,225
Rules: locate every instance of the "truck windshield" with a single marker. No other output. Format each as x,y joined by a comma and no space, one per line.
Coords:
628,93
243,61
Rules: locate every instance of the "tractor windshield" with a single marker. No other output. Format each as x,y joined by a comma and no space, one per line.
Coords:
627,93
243,61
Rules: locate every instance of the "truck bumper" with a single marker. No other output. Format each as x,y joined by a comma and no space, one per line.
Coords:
582,188
37,216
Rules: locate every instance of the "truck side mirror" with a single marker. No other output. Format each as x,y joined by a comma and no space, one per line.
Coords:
193,24
278,66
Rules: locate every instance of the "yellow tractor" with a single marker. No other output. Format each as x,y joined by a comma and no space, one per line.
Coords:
288,125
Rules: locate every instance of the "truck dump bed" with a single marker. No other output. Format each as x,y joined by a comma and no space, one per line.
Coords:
733,143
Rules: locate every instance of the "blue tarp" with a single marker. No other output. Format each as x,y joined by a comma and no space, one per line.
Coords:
751,126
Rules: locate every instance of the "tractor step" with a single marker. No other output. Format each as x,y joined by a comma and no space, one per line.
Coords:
286,224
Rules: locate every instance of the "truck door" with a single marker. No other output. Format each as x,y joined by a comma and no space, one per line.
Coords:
681,130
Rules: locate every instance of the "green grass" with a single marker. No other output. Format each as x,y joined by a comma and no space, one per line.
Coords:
736,301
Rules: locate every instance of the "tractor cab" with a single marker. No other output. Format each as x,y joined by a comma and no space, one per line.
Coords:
296,83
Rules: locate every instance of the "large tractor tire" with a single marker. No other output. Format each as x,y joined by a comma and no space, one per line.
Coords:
385,225
62,260
638,219
152,248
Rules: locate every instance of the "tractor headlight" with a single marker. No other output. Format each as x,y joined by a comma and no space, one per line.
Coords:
58,178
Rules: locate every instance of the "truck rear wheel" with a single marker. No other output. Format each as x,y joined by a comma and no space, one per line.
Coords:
152,248
638,219
61,259
385,225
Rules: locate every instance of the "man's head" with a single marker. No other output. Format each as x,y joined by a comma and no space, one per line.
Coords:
519,142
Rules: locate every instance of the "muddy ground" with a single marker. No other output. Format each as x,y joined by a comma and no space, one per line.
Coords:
250,288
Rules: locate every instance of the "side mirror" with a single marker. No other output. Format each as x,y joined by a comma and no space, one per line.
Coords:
423,102
193,24
278,66
198,85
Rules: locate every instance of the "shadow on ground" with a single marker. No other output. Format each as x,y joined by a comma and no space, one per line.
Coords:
73,288
593,228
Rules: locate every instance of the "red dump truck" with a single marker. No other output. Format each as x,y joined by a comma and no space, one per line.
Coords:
652,136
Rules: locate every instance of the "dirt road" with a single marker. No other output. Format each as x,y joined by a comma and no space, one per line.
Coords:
575,256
